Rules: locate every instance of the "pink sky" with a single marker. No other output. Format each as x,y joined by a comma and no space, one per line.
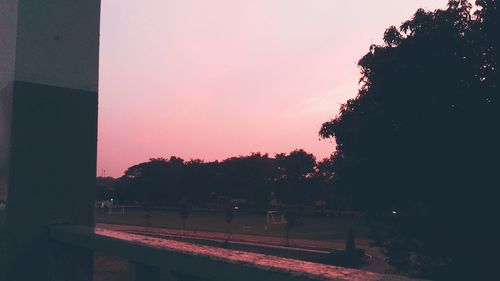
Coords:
215,79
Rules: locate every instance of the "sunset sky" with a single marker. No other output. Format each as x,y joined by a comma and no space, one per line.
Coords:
215,79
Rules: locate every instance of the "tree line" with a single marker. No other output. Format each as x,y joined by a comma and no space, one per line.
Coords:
294,178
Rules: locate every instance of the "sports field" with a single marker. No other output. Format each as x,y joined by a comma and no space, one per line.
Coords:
311,227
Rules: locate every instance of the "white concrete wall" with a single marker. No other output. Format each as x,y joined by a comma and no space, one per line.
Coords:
8,21
56,43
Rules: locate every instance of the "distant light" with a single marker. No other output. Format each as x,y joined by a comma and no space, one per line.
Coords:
236,207
394,212
111,199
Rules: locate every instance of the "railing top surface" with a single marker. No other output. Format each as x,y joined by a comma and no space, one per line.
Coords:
206,261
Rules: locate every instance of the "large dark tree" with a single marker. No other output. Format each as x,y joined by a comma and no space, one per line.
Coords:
323,186
420,137
293,173
247,176
156,181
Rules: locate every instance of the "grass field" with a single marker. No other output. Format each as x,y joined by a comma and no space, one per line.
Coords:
318,228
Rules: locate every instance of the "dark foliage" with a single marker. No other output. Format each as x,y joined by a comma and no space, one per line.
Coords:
104,188
294,178
421,138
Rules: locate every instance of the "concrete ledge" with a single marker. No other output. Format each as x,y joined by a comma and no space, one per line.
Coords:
204,261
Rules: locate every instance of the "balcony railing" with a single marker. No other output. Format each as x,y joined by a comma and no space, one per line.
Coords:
148,255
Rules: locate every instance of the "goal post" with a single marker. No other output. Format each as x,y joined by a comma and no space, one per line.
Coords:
275,217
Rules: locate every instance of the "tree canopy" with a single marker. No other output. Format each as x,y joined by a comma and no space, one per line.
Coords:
294,178
420,135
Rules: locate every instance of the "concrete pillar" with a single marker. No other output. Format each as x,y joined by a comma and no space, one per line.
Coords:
49,53
8,19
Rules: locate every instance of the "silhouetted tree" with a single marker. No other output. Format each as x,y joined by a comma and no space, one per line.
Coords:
293,171
105,188
162,181
350,244
148,214
184,212
248,177
228,216
292,222
322,185
419,137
